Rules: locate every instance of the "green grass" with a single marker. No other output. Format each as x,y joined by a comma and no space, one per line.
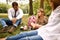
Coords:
17,31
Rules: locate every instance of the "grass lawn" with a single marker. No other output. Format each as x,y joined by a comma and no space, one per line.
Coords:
17,31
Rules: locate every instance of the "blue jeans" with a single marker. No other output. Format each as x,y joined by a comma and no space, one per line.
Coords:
7,22
31,35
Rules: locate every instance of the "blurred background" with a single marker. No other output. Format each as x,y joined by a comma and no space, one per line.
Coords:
29,8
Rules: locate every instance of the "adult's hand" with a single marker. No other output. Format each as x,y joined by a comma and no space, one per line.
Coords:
14,20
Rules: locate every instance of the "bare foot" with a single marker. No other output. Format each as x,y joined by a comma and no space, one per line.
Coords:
2,38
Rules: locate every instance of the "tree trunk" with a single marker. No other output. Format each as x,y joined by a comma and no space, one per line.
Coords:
7,1
47,1
31,7
42,4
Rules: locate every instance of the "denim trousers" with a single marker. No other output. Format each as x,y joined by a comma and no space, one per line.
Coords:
29,35
7,22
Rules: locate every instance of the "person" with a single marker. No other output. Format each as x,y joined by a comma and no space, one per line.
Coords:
34,22
41,19
50,31
15,15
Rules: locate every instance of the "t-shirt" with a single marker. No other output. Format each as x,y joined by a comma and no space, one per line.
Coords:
42,21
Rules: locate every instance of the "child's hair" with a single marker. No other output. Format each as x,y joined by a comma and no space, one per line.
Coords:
41,10
39,17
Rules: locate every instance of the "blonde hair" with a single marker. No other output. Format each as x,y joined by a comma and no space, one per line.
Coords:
38,17
41,10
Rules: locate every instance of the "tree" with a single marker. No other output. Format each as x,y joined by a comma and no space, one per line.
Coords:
31,7
47,1
42,4
7,1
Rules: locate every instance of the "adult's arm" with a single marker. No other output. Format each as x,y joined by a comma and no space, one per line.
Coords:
9,14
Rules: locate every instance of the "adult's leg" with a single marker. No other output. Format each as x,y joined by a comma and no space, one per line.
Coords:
6,22
9,22
17,22
36,37
22,35
3,22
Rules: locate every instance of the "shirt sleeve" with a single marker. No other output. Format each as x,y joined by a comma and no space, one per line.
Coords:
9,15
20,14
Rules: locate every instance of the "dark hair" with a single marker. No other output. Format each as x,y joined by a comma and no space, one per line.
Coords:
14,3
56,3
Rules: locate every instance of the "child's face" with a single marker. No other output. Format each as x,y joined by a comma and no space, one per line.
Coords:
40,13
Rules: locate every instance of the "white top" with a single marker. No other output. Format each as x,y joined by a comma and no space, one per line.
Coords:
11,13
51,31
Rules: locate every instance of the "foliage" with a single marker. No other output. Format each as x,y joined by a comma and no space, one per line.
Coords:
36,5
47,7
4,8
25,8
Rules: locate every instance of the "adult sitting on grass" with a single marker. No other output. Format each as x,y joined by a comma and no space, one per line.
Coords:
51,31
15,15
